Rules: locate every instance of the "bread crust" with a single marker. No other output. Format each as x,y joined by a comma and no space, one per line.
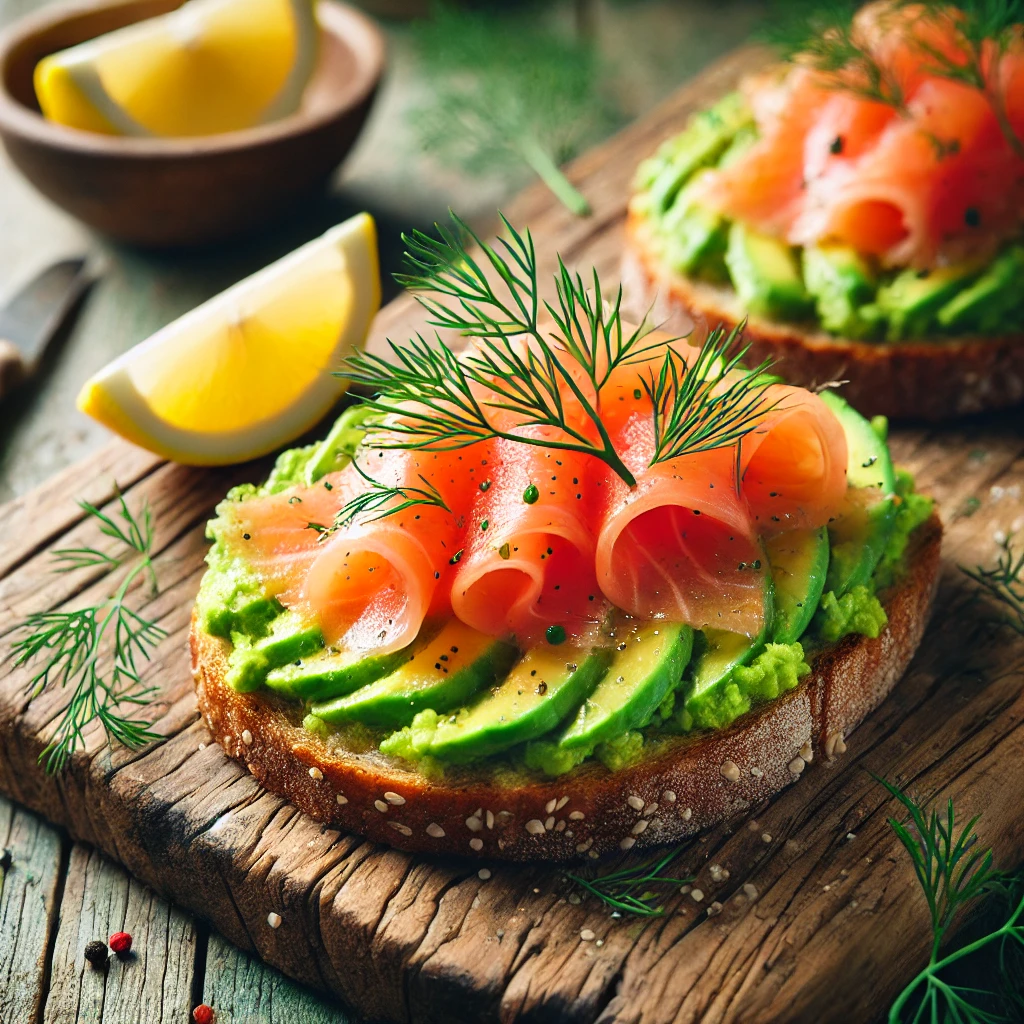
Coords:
591,811
928,380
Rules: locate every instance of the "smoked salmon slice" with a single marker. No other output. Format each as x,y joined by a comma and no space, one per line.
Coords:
793,464
529,557
684,544
273,534
680,545
371,583
374,582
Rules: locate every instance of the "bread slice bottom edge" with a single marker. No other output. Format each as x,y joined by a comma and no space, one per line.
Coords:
682,790
930,380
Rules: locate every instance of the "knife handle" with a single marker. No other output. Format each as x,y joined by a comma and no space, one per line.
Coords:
12,367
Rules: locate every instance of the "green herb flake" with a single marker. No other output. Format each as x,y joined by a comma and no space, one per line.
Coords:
555,635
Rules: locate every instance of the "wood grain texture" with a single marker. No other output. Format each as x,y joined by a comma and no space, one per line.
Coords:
29,897
410,939
152,984
244,991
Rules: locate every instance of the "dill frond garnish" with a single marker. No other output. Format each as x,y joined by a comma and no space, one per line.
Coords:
822,36
502,97
516,373
381,499
70,644
1004,584
713,403
629,890
953,872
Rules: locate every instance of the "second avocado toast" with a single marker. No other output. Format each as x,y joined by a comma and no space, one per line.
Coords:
874,238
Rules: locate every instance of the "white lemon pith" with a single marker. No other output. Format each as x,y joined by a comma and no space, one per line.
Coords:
210,66
249,370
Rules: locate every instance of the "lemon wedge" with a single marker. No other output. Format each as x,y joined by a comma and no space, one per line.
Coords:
250,369
210,66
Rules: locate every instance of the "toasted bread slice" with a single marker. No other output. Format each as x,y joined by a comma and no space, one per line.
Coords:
930,380
691,783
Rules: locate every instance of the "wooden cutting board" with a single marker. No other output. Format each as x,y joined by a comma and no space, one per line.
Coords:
837,925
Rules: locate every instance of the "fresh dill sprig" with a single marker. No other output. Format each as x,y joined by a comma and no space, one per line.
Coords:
822,36
953,872
698,407
380,498
70,644
501,97
629,890
1004,584
441,402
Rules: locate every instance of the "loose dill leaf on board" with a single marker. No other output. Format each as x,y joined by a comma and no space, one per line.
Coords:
953,872
1003,584
502,95
68,647
629,890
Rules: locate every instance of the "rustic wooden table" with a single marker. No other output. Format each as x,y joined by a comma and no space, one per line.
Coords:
63,893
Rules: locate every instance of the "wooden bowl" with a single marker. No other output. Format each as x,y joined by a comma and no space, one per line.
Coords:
187,191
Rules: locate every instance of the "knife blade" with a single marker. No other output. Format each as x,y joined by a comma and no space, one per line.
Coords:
35,315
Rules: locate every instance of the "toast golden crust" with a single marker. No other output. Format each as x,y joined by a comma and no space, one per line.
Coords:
693,783
932,380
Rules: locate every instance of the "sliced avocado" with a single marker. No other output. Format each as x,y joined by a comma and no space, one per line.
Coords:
742,141
766,275
858,537
913,298
700,145
336,450
843,285
695,240
328,673
994,303
718,652
444,674
799,563
647,664
538,694
291,636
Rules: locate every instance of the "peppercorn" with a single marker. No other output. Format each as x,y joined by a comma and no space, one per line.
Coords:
121,943
203,1014
96,953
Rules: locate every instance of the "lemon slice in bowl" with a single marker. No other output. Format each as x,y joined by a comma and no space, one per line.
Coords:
250,369
210,66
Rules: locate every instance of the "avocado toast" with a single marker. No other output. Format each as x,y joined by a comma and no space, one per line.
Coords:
477,620
867,236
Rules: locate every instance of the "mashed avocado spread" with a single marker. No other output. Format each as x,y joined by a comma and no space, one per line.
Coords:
264,635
